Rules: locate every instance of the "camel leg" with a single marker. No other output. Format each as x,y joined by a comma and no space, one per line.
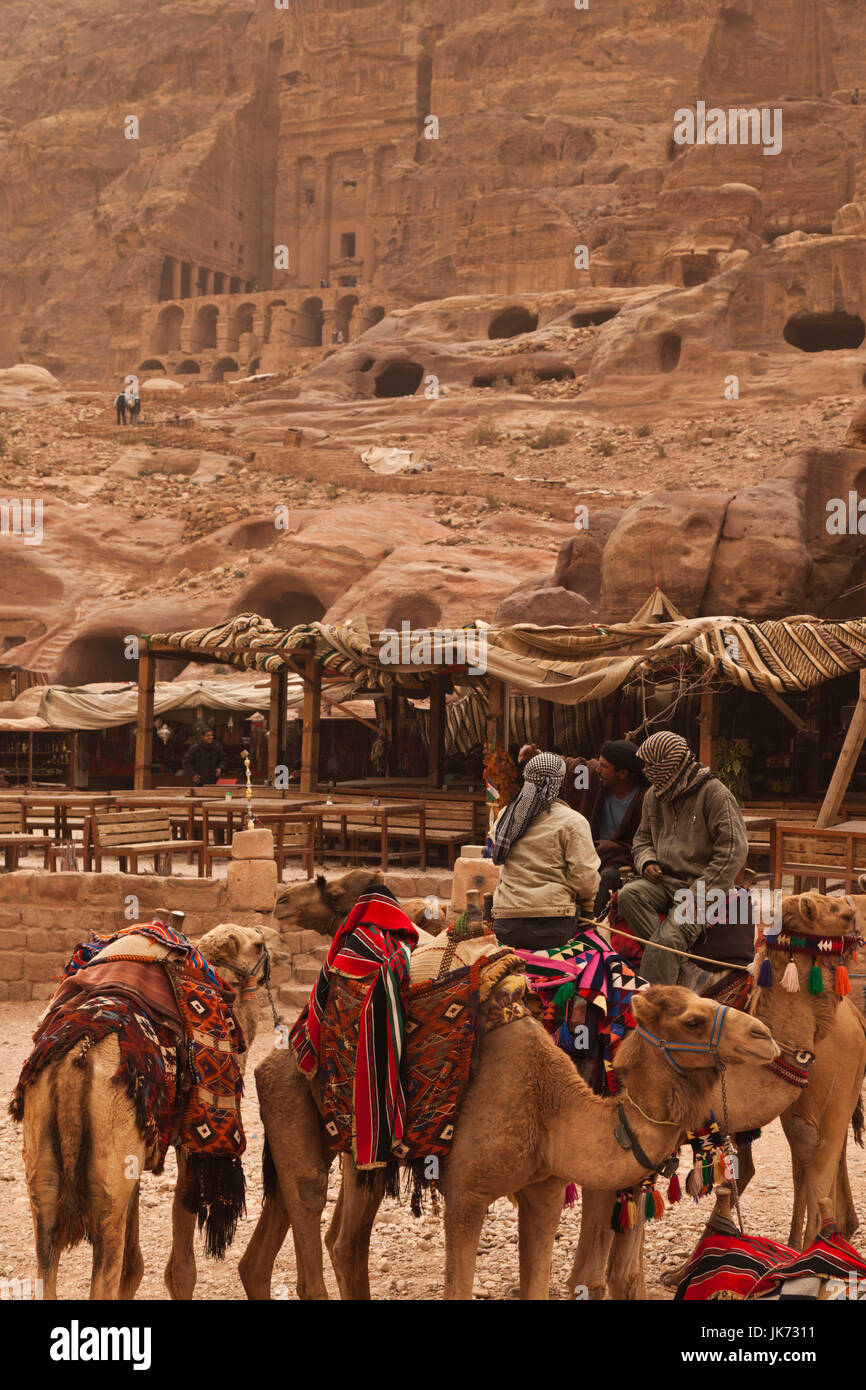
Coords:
180,1272
846,1214
110,1222
348,1237
257,1262
539,1207
464,1217
133,1260
588,1270
43,1184
625,1281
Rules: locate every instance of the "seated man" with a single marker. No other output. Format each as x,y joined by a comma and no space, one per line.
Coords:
691,833
547,858
612,803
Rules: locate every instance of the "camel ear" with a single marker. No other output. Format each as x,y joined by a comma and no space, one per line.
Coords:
808,907
644,1009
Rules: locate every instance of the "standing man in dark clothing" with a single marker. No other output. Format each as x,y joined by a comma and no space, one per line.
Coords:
205,759
120,407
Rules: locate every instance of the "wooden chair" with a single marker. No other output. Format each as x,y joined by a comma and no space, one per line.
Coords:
14,836
294,837
132,834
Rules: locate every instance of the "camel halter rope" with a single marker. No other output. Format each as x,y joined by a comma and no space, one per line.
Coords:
262,967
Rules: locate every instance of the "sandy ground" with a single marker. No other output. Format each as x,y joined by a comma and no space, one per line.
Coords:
407,1253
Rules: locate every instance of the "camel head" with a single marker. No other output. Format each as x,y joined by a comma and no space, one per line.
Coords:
815,914
238,953
321,906
680,1017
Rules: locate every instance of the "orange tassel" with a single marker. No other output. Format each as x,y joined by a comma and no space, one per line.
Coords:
658,1203
843,983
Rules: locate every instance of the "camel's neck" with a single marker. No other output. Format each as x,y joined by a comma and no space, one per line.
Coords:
585,1149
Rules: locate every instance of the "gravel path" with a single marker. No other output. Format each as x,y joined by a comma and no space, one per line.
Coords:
407,1255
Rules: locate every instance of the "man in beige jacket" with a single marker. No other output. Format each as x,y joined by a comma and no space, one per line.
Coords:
548,862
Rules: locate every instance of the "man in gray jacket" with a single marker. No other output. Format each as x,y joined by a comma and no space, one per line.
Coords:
691,841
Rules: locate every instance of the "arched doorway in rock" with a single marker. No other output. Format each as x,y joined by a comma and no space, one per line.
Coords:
219,369
670,349
511,322
254,366
345,309
282,599
311,321
187,368
589,318
166,333
274,304
372,317
836,332
398,379
206,326
151,365
166,278
242,322
97,656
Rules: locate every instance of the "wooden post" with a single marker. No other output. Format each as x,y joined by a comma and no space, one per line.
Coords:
392,724
30,762
495,710
709,720
436,729
277,720
144,721
312,724
847,761
545,724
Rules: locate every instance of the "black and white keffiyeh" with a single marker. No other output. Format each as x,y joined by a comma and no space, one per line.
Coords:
671,767
543,776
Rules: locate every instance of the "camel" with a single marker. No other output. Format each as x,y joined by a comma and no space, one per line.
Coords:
321,905
528,1125
82,1145
815,1120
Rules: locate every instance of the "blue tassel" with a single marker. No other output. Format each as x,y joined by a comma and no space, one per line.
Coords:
563,1038
765,974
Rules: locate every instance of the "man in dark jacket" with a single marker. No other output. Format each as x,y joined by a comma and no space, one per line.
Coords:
205,759
688,852
609,790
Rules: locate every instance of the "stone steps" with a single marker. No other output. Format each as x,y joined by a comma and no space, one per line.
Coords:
305,968
295,996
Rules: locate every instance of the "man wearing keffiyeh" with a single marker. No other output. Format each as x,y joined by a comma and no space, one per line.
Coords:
691,832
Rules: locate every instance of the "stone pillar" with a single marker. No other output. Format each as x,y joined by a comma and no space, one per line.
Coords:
252,873
367,247
323,204
175,278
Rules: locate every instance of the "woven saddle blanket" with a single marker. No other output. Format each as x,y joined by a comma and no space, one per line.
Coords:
445,1016
179,1045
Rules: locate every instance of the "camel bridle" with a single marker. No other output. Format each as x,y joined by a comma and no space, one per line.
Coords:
667,1048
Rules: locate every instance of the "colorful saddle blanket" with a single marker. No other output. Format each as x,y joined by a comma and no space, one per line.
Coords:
195,1105
726,1265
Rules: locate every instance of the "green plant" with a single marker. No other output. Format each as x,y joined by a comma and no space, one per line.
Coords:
605,447
661,452
643,431
484,433
732,769
549,438
18,457
493,502
524,380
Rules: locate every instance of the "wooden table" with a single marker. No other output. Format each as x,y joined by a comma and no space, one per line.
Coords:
359,810
63,803
262,809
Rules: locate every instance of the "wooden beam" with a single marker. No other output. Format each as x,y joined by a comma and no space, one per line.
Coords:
495,712
545,724
799,724
312,725
144,720
436,730
846,762
276,720
709,722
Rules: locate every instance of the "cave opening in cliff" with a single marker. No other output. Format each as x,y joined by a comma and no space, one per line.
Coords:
367,363
669,352
187,368
97,656
166,334
837,332
592,317
399,379
152,365
372,317
225,364
281,599
512,322
312,321
694,275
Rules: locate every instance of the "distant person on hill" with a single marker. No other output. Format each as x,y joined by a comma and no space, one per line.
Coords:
205,759
134,408
120,407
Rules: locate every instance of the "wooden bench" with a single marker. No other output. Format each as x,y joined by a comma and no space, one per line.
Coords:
14,836
448,823
836,855
294,837
132,834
